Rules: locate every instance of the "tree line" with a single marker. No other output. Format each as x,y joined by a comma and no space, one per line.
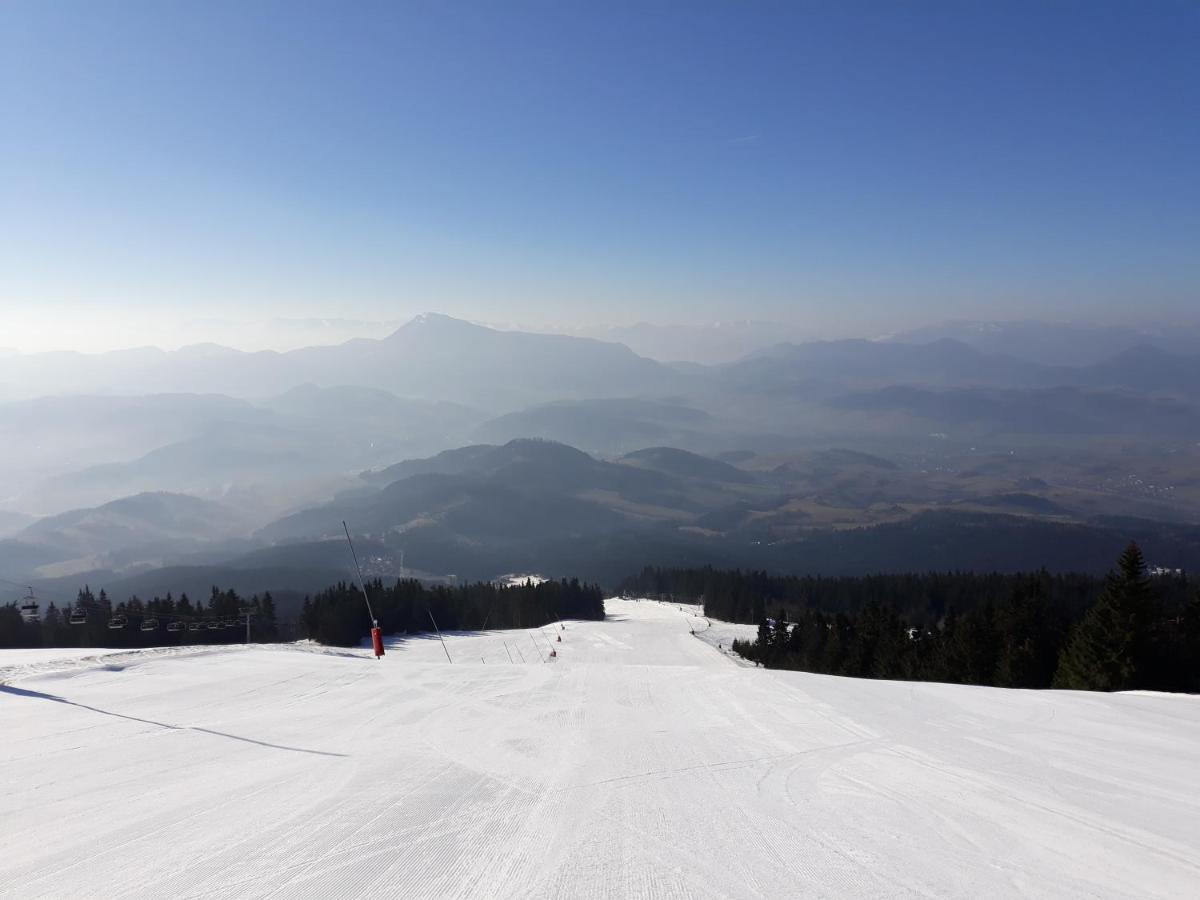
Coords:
335,616
1129,630
338,615
93,620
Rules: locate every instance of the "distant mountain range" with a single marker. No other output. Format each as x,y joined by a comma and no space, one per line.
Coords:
433,356
540,503
710,343
210,458
1059,343
1042,411
437,358
531,505
304,422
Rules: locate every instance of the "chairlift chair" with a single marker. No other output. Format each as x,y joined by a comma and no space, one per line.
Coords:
118,621
214,625
78,617
194,626
174,626
150,624
29,609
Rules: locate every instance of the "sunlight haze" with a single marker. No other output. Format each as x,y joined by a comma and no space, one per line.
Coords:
640,450
180,166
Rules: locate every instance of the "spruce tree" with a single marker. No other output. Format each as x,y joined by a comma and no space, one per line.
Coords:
779,636
763,645
1108,650
1188,672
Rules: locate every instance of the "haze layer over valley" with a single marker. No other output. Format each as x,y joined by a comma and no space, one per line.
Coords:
460,450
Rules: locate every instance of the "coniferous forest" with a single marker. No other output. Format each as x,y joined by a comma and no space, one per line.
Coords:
338,615
93,620
1127,631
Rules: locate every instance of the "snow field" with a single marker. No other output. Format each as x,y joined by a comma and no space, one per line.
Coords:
642,762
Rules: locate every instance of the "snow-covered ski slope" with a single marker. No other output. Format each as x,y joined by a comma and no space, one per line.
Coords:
641,763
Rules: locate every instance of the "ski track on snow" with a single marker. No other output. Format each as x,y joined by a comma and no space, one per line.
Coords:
643,762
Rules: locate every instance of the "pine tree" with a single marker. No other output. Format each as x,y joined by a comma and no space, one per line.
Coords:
267,610
1108,650
1188,674
763,645
779,636
1030,637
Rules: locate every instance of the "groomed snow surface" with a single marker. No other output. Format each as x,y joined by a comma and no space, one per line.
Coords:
642,762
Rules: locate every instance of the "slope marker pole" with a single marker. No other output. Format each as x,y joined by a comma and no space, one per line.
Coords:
509,652
439,633
536,647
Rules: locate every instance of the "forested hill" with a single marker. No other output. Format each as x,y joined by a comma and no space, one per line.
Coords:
1127,631
338,615
747,596
94,620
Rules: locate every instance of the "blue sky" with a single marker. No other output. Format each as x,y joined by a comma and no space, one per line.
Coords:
851,167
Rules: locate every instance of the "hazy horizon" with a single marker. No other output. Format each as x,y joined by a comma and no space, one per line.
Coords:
283,334
843,169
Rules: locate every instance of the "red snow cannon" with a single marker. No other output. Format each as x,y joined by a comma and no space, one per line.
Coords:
377,642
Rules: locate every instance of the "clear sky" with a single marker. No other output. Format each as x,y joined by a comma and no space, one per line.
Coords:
169,169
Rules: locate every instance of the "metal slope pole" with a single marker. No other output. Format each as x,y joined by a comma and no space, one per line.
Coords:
439,634
535,646
376,634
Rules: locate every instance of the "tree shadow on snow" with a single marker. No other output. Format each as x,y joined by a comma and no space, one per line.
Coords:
38,695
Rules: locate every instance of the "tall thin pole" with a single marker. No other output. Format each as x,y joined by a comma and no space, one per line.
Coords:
361,586
509,652
439,634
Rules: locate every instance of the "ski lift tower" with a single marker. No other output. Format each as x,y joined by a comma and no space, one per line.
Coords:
247,611
30,613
